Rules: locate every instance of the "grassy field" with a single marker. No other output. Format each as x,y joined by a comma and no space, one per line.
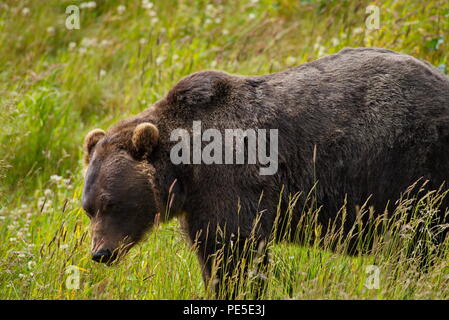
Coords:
56,84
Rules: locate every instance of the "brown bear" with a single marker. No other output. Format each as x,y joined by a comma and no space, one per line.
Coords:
357,127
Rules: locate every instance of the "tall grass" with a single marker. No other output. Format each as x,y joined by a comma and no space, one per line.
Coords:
56,84
402,244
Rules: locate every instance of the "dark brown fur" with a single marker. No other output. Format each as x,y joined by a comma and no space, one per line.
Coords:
379,121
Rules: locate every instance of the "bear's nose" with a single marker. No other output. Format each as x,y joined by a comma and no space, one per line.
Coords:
102,255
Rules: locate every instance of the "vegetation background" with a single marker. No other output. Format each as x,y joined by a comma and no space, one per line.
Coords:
57,84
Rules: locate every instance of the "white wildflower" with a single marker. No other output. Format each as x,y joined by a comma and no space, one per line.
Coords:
89,42
121,8
40,202
159,60
147,4
72,45
321,51
55,178
211,10
51,30
290,60
357,30
335,41
26,11
88,5
105,43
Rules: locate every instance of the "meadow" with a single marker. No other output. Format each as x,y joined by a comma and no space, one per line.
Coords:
58,83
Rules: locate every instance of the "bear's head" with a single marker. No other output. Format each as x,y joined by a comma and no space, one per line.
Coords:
119,195
123,193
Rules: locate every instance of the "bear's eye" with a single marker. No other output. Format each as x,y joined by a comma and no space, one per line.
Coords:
105,204
108,206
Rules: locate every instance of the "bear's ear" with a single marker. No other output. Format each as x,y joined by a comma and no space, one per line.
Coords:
200,89
90,141
145,138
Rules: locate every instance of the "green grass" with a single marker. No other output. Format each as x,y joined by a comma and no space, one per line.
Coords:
57,84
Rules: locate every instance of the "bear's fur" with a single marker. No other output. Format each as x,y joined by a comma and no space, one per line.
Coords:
363,124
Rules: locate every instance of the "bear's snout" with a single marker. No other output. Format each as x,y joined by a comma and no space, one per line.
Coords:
103,255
